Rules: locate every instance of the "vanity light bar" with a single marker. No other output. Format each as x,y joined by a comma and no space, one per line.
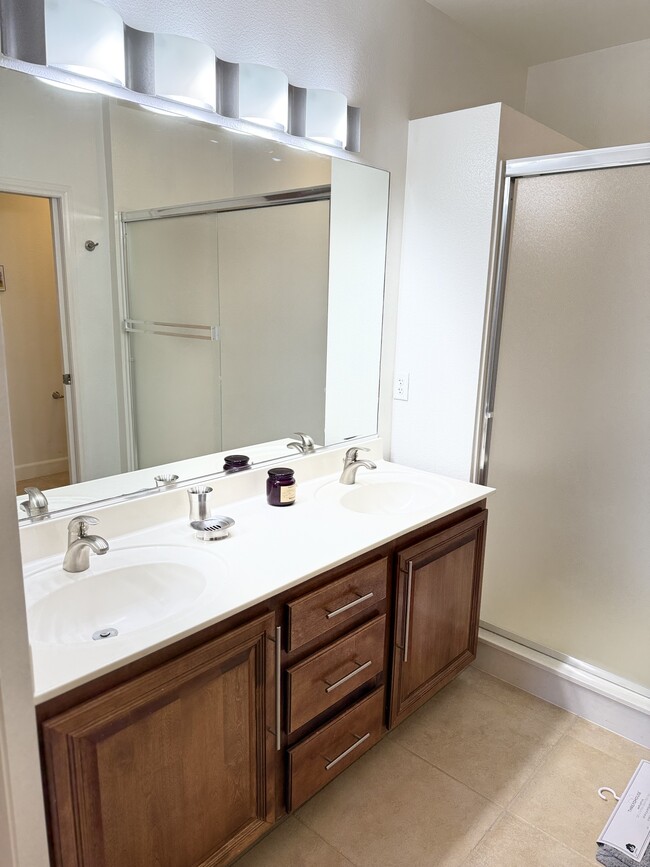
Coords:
86,38
90,40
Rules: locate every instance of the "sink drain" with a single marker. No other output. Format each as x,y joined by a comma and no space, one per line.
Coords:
109,632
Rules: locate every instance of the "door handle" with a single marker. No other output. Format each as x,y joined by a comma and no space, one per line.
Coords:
56,395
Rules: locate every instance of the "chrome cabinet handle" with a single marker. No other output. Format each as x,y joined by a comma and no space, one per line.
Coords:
347,677
278,687
407,628
357,743
350,605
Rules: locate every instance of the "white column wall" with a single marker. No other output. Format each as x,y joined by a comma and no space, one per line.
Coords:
22,819
453,164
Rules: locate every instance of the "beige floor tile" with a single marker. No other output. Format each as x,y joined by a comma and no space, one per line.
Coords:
562,797
523,702
513,843
392,809
614,745
492,746
293,845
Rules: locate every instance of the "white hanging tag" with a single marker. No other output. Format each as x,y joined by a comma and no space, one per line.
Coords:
628,828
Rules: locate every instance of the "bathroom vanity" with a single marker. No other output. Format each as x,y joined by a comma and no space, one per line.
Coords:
188,751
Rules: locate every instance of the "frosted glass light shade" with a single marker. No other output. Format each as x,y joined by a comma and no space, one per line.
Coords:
185,71
326,117
263,95
86,38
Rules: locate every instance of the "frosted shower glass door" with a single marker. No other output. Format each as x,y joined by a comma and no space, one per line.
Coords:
172,271
568,557
273,269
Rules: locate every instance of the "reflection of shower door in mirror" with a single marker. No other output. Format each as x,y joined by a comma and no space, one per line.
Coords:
568,549
30,306
227,322
173,290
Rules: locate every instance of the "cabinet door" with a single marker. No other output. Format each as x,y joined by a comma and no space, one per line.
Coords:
173,768
437,613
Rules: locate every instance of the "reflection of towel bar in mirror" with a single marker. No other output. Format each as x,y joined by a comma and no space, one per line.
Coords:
140,326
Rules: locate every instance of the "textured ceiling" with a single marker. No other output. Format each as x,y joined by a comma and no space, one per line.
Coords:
536,31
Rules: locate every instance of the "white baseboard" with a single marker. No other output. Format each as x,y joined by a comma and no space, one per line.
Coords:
41,468
614,707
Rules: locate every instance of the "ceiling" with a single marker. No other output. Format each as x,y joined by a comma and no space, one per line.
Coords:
536,31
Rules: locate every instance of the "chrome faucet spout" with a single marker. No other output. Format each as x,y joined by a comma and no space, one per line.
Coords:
352,463
80,544
306,444
36,502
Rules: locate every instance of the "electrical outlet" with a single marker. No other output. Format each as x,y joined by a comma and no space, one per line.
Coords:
401,387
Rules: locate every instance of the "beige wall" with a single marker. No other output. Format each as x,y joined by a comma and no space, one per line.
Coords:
30,314
599,99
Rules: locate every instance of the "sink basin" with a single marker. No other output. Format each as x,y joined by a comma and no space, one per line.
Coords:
387,494
126,590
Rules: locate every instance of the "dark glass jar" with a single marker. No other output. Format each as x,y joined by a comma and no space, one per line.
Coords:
281,487
235,463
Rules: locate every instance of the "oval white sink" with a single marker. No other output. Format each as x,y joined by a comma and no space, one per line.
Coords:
127,589
387,494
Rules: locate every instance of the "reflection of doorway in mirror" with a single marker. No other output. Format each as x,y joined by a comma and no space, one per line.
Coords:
33,344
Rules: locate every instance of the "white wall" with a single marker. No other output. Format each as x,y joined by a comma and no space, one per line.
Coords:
446,260
599,99
355,300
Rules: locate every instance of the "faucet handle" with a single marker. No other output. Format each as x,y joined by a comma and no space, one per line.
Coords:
78,527
305,445
353,454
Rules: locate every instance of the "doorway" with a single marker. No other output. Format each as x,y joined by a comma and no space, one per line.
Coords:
30,309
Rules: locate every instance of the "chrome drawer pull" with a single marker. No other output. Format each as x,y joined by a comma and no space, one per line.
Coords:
347,677
347,752
407,627
350,605
278,687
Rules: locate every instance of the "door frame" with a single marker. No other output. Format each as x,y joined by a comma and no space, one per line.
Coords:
59,199
511,171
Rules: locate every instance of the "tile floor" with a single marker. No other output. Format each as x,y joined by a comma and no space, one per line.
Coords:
484,775
55,480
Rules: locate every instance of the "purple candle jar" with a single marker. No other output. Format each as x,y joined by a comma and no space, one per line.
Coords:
281,487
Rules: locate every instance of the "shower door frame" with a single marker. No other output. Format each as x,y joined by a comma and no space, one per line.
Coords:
511,172
297,196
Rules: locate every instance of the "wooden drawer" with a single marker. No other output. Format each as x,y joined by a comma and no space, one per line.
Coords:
324,678
322,756
316,613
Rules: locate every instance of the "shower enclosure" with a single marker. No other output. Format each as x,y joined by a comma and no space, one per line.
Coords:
565,435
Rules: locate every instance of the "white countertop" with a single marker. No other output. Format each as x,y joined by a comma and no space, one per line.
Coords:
270,550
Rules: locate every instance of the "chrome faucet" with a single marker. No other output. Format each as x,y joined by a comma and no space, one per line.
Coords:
36,504
306,444
351,464
80,544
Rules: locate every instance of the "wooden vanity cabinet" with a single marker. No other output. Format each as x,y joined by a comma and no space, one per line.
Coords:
177,760
438,594
175,767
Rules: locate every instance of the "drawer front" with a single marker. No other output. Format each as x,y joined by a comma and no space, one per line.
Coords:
324,678
316,613
322,756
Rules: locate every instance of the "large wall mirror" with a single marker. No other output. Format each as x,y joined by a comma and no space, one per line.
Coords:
201,292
